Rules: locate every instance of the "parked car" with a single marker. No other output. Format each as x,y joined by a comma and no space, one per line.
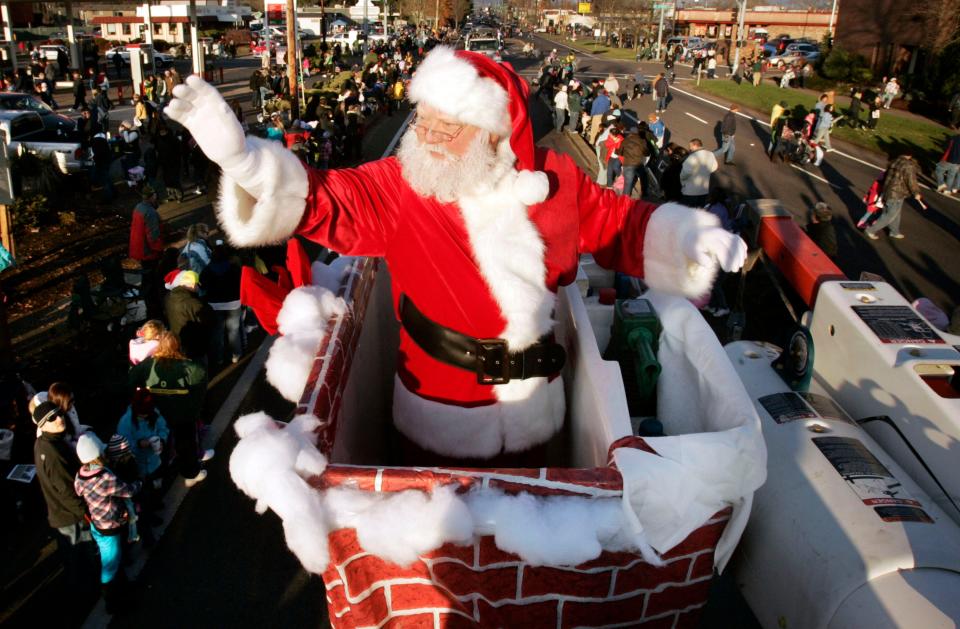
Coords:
162,59
52,121
795,53
51,51
25,132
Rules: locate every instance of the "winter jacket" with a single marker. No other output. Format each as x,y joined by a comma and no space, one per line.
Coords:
104,493
146,240
612,147
662,87
729,125
134,431
900,181
190,319
57,466
695,174
600,105
221,281
178,387
635,150
824,235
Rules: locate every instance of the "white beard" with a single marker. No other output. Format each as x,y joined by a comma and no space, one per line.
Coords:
451,177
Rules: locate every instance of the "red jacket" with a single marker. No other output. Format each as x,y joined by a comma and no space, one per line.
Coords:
146,237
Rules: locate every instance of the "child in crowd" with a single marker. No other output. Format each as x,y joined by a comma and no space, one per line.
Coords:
104,495
147,432
144,344
120,460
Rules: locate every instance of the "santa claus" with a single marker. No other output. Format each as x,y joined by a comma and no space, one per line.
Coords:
479,228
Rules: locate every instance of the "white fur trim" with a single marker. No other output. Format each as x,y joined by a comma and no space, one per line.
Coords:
262,195
529,413
665,267
509,251
531,187
453,86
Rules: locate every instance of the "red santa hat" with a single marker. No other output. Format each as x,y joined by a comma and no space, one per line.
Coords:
478,91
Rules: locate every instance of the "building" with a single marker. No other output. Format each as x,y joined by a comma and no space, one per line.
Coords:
890,34
759,22
125,22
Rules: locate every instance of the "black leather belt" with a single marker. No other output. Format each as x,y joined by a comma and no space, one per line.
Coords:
490,359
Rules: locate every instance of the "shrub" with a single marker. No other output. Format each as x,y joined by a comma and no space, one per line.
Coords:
30,211
841,65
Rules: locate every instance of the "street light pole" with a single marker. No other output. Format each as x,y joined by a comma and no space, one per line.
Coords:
736,54
660,31
833,17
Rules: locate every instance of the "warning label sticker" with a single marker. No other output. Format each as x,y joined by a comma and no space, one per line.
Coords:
897,324
826,407
869,479
903,514
786,407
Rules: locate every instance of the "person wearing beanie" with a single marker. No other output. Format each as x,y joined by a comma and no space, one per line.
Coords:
146,245
57,466
145,429
119,458
821,229
480,229
189,317
107,498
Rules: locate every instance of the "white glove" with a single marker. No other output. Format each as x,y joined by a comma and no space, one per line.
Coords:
703,246
200,108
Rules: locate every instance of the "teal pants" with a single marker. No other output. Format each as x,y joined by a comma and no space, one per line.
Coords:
110,549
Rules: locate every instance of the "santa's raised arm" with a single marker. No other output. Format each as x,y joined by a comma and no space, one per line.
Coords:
479,228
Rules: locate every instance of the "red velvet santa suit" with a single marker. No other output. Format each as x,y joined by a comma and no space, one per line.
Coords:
487,266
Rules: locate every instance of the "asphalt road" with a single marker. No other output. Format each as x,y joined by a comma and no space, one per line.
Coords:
921,265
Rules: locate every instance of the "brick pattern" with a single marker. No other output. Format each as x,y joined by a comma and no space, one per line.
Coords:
322,394
481,585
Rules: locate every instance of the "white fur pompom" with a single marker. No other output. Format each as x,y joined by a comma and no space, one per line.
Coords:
531,187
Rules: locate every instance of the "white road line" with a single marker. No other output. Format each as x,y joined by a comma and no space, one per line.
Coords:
696,118
817,177
576,50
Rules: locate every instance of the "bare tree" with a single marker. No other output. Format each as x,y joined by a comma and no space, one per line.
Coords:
943,22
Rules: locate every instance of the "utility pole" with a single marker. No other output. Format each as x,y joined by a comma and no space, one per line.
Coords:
833,18
660,30
292,59
736,55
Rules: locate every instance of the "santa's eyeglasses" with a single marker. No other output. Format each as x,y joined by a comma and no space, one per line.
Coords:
426,130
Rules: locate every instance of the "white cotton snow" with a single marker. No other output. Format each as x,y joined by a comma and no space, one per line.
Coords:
306,309
399,527
289,363
301,321
272,464
549,530
264,465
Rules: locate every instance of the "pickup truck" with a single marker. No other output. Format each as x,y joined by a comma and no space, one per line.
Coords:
26,132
